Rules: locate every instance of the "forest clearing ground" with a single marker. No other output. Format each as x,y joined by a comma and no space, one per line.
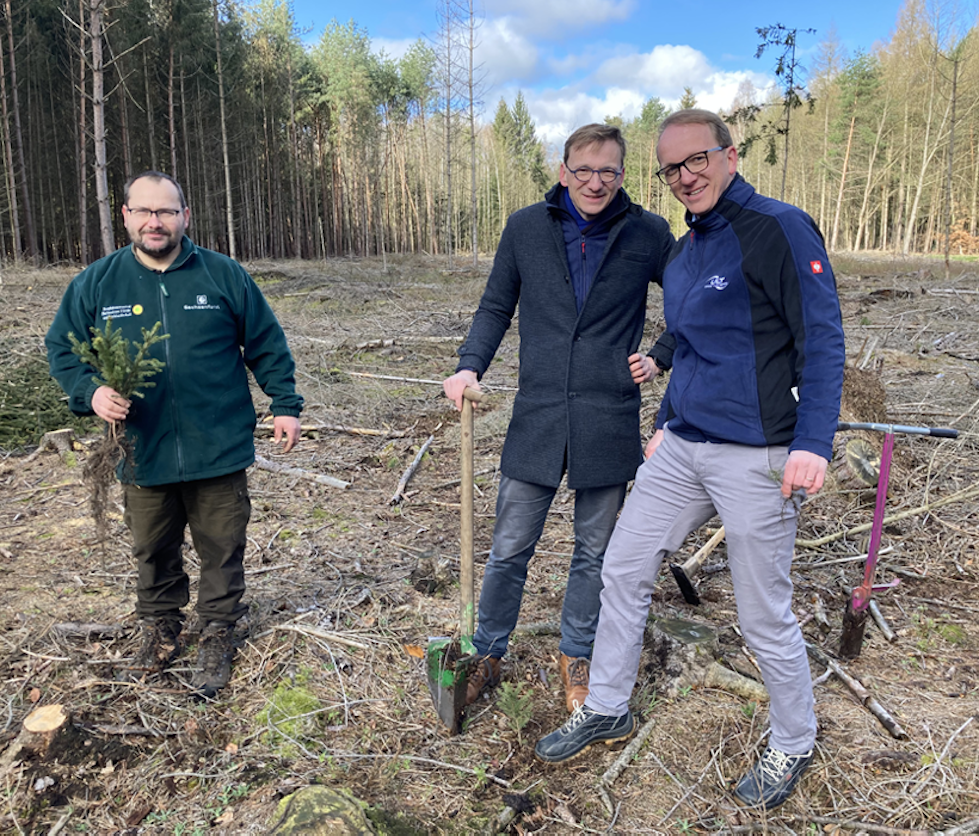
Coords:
328,686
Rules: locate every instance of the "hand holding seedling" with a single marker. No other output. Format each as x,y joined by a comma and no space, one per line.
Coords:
109,405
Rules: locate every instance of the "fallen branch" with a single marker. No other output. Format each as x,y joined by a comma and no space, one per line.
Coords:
79,629
856,687
399,493
881,622
959,496
625,757
396,378
418,380
285,470
316,633
971,826
267,429
866,827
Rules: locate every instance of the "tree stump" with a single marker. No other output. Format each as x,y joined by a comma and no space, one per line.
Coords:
48,732
62,442
46,735
687,653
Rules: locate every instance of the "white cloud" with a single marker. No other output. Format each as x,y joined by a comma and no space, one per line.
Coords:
557,112
391,47
503,54
665,71
552,19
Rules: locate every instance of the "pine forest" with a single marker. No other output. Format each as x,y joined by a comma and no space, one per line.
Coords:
293,148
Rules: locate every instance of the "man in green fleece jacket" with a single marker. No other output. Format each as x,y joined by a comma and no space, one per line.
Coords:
192,432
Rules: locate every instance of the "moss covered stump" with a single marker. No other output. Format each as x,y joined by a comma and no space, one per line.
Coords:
321,811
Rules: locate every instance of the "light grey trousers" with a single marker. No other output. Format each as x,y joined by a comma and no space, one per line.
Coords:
679,488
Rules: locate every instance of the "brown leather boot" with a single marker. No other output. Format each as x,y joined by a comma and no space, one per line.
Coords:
483,673
574,675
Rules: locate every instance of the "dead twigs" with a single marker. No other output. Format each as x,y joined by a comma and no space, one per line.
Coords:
959,496
857,689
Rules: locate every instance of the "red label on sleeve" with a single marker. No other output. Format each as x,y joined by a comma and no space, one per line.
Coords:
817,266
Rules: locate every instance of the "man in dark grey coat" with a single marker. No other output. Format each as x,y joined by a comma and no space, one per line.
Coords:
579,264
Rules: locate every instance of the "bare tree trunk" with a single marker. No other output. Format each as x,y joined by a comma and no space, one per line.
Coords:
949,197
865,210
184,125
83,249
125,141
448,147
224,138
297,224
98,126
150,130
473,206
839,195
11,180
25,196
928,149
171,115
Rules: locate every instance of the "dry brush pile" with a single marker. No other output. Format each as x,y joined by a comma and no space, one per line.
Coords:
347,585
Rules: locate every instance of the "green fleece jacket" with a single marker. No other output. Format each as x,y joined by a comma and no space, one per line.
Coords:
198,421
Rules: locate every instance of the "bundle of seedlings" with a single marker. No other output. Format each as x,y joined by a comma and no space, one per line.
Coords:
126,368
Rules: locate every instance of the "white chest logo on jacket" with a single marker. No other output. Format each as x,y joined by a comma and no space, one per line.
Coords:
716,282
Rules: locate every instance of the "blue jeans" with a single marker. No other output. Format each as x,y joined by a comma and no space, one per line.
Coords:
521,508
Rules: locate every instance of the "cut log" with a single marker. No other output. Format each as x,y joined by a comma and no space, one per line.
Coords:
687,653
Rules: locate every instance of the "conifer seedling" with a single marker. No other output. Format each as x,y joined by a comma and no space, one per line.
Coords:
127,368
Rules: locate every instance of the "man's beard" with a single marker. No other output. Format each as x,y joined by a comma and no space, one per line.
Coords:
157,252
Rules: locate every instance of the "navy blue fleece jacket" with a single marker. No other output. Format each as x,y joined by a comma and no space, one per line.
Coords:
750,297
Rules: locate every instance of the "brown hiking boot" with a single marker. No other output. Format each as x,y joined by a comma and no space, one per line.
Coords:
160,645
215,650
483,673
574,675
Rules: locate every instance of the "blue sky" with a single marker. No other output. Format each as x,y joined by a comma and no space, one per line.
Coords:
577,61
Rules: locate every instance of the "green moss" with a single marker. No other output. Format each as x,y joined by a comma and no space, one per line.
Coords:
290,715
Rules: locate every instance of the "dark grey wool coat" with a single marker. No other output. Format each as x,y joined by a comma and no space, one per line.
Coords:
576,393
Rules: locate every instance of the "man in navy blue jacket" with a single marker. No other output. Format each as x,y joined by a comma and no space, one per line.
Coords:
580,264
745,431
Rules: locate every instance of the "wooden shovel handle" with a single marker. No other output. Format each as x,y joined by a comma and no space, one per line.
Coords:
467,517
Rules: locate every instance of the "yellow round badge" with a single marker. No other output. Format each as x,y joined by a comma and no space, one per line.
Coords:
137,309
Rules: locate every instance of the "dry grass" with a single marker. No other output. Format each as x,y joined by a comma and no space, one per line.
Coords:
334,618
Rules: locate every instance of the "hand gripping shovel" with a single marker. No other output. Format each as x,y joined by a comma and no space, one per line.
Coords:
447,660
855,618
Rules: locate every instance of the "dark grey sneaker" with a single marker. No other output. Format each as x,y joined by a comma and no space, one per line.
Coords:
771,780
215,650
160,644
583,728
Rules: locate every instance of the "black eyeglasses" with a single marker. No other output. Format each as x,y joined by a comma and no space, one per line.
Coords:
606,175
162,214
695,163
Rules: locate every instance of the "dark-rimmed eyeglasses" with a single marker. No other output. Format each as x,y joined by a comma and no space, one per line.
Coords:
695,163
163,215
606,175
